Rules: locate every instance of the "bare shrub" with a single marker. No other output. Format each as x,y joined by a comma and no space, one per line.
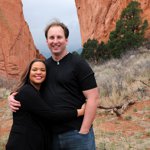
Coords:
6,87
119,78
8,84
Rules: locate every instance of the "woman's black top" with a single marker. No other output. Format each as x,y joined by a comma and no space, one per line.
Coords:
28,131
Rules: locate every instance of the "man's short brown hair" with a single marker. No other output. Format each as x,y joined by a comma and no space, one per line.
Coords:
60,24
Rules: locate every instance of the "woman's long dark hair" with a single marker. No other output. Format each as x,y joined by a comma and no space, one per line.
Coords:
24,79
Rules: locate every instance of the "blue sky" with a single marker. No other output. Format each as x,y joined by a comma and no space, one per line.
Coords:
39,13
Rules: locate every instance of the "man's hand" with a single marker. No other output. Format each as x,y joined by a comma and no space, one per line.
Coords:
13,104
81,110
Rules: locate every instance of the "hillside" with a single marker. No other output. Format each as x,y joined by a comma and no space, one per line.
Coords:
17,47
98,18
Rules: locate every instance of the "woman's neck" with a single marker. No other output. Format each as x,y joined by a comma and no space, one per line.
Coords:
37,86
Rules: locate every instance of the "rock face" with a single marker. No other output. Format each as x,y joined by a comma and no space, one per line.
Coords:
97,18
16,44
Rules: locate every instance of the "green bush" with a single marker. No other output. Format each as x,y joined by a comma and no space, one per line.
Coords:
89,50
129,32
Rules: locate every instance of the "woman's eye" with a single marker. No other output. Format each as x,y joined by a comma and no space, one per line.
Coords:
34,69
42,69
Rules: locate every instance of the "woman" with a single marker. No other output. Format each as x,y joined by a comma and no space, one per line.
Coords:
28,131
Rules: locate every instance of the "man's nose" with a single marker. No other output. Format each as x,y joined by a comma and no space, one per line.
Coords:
55,40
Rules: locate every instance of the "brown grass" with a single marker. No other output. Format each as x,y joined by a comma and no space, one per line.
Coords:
119,78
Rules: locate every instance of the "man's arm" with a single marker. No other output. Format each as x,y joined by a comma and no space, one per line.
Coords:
13,104
92,97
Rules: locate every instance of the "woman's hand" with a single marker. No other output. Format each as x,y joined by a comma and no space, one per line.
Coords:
81,110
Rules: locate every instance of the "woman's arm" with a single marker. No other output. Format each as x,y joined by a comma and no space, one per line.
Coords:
32,102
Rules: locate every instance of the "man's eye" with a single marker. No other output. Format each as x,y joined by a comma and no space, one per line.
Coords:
59,37
51,37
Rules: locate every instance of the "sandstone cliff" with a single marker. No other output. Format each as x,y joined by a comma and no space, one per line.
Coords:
16,44
97,18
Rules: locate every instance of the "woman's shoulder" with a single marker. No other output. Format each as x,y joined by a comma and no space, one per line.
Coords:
26,87
26,90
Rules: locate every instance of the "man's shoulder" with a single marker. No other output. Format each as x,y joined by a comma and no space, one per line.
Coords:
48,62
77,58
80,62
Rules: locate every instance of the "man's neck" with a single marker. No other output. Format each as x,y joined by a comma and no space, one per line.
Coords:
59,56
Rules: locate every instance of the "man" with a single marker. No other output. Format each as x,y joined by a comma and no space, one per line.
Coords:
70,82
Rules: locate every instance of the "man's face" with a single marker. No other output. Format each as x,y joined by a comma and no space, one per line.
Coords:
56,40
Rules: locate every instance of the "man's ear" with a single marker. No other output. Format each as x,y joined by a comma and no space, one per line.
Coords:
67,41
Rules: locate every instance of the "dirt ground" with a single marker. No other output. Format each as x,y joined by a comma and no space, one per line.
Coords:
131,131
5,123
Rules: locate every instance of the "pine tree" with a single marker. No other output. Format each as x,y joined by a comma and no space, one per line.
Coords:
129,32
89,50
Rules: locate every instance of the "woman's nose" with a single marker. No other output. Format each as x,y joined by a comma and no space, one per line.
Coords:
39,72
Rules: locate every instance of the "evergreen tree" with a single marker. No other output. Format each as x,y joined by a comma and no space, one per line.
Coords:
129,31
102,52
75,53
89,50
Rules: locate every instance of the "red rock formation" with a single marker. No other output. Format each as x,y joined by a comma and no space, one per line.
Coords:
97,18
16,44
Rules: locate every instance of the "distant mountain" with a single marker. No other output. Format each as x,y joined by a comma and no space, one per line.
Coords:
79,50
17,47
97,18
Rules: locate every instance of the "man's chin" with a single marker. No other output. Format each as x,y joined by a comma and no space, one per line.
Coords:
57,52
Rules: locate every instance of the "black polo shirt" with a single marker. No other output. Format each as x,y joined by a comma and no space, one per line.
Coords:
64,84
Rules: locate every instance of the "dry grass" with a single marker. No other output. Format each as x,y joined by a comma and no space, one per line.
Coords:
8,84
5,122
119,78
6,87
4,93
5,114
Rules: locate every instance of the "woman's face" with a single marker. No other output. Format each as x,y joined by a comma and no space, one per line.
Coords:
37,73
